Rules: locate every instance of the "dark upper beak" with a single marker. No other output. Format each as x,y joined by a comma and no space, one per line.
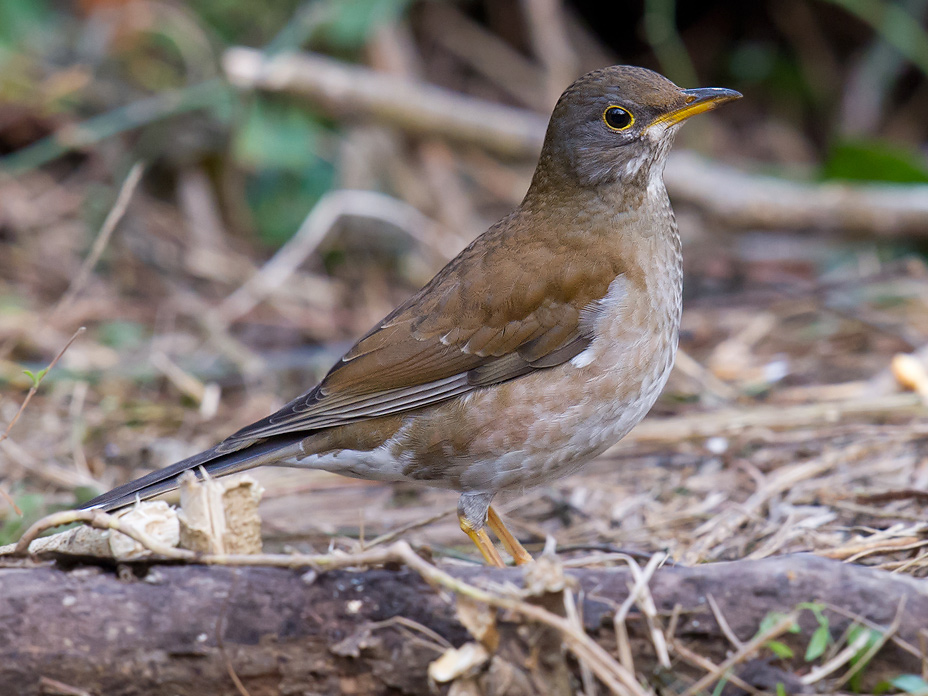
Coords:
697,101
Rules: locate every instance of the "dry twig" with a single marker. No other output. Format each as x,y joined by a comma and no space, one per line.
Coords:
103,238
744,653
731,420
707,665
32,390
324,215
876,647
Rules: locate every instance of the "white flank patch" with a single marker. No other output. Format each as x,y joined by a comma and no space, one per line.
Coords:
596,315
582,359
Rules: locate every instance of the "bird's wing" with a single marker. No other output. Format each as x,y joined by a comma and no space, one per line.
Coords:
484,319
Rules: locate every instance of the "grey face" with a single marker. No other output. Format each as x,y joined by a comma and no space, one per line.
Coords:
600,130
614,127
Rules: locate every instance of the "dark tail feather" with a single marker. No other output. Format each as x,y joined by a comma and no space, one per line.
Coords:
215,463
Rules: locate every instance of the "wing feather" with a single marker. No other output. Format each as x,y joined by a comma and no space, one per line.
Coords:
455,335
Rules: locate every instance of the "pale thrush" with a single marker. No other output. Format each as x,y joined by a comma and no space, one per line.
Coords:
539,346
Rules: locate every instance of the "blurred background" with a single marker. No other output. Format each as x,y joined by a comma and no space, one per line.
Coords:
156,155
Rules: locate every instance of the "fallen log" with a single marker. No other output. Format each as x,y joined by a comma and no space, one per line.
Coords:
194,629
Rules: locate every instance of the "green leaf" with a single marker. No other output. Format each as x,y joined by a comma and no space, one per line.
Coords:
911,684
781,689
36,377
874,160
772,619
781,650
873,636
815,607
818,643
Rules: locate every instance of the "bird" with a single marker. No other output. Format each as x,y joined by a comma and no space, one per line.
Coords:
540,345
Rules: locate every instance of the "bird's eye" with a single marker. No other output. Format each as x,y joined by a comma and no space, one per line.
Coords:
618,118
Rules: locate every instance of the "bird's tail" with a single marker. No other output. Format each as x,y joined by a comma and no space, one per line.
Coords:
212,461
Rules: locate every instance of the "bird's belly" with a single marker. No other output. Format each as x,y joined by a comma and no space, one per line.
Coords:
562,422
536,428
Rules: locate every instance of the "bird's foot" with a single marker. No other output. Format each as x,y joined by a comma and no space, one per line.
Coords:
483,543
510,543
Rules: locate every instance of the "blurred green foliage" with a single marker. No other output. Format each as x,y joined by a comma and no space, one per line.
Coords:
153,72
873,160
350,23
34,507
280,143
909,684
19,18
121,334
143,84
243,22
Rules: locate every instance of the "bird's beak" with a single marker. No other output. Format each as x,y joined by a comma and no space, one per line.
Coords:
697,101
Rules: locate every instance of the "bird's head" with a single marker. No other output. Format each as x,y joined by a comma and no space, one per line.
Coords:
616,125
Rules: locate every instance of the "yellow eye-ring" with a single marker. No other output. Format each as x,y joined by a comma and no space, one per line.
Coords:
618,118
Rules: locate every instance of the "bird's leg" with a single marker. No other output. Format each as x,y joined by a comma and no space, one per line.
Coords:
512,545
472,516
483,543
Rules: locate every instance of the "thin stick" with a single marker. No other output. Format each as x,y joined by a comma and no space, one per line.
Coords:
731,421
601,662
899,642
723,623
640,594
317,224
53,686
38,380
32,390
416,524
550,44
99,520
344,89
876,647
748,649
103,238
8,498
586,674
439,643
698,660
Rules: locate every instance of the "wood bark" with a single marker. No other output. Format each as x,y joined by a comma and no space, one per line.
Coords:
183,629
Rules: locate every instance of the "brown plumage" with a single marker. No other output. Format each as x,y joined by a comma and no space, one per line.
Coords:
536,348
